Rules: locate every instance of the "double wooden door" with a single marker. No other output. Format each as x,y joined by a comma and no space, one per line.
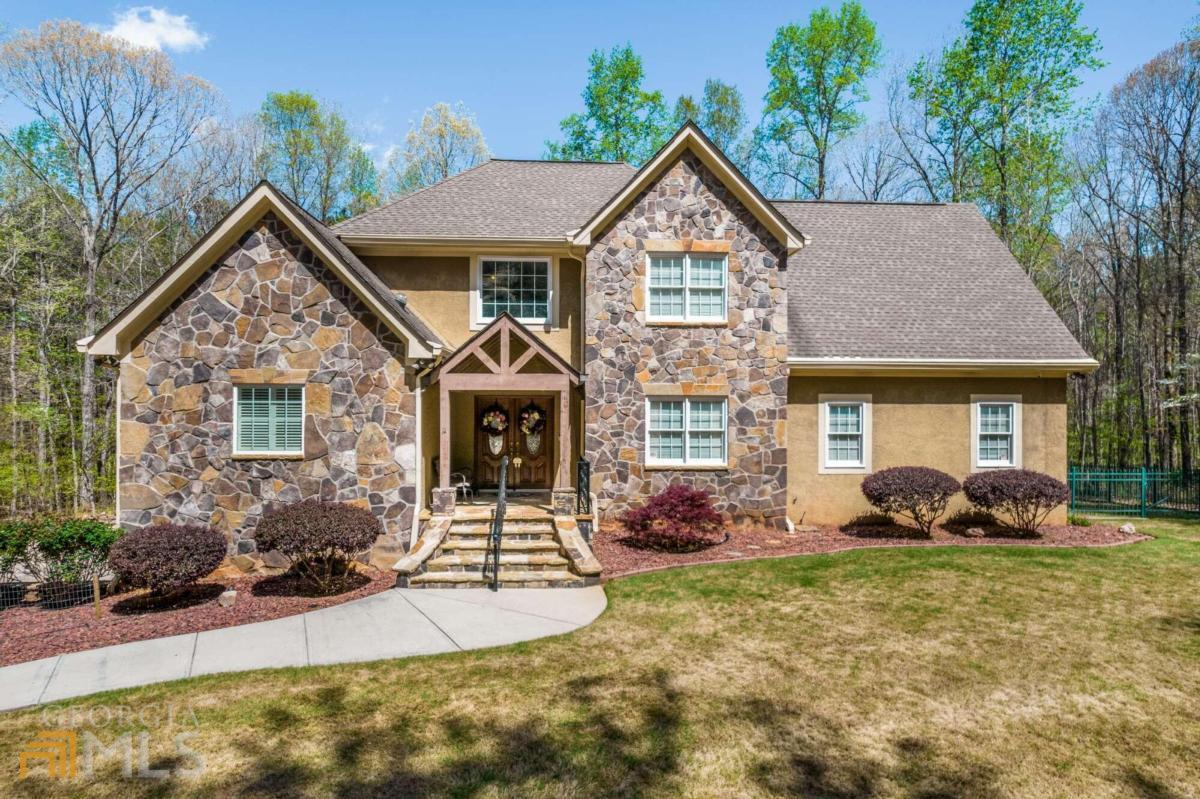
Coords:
528,467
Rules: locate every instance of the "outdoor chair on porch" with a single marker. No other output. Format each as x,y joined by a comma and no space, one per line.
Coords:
461,480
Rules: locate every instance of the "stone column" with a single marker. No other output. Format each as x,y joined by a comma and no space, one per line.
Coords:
442,502
562,501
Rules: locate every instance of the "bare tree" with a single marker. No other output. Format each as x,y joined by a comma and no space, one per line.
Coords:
445,142
122,114
874,165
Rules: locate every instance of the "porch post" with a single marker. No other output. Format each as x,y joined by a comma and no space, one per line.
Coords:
564,436
444,437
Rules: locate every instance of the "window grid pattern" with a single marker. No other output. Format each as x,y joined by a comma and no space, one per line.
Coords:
844,431
520,287
269,418
996,433
687,431
687,288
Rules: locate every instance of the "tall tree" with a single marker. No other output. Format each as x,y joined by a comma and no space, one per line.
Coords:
1016,67
818,78
720,114
309,153
931,120
621,120
445,142
122,114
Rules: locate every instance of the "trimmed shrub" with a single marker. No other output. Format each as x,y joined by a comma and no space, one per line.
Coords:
164,557
677,519
14,542
915,492
63,550
1025,496
321,538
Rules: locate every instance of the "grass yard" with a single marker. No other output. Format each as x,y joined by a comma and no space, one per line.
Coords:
979,672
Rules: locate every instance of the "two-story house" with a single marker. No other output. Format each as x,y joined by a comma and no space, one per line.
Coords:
592,322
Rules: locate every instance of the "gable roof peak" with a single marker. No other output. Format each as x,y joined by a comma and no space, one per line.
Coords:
690,138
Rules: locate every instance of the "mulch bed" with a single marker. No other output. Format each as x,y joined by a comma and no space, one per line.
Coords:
28,632
619,558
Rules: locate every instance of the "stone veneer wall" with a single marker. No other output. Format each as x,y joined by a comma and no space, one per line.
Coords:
747,359
267,312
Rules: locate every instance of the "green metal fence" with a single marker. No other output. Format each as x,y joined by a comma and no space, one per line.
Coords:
1133,492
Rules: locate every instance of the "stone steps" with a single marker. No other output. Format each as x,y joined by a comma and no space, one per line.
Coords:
517,579
474,562
481,544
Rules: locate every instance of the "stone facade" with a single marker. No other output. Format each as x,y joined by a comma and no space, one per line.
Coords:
745,359
268,312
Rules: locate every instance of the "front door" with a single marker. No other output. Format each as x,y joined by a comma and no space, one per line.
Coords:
531,456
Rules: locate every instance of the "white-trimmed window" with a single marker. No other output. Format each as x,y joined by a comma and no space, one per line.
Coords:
268,420
996,431
845,433
521,286
686,287
685,432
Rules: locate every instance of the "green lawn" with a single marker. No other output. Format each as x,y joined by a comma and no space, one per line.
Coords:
920,672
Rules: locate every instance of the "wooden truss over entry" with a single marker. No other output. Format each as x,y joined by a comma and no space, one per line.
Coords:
505,357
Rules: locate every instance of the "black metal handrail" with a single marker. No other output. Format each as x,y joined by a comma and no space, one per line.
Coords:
583,487
492,553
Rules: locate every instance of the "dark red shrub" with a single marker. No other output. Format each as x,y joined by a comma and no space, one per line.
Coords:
1025,496
164,557
676,519
916,492
321,538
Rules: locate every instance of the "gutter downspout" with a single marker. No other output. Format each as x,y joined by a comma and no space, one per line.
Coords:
419,450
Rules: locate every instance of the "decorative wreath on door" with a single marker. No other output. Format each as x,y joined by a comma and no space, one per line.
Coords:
493,420
533,419
532,422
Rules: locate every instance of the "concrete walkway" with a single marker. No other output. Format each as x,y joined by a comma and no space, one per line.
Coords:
396,623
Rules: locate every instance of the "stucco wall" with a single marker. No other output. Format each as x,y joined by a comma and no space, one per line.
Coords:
439,289
743,360
917,421
268,312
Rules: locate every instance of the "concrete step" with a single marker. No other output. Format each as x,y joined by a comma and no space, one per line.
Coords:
475,560
483,528
481,543
523,579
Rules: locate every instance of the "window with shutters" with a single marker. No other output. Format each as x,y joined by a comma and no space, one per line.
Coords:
268,420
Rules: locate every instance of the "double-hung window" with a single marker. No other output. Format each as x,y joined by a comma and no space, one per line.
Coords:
996,432
845,433
522,287
268,420
686,288
686,432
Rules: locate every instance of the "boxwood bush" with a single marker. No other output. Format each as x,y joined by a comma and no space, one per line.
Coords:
321,538
677,519
916,492
166,557
1025,496
61,550
14,541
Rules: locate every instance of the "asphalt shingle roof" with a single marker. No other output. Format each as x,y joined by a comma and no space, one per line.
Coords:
880,280
876,280
500,199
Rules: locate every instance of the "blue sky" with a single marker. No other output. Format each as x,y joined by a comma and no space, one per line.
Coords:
520,66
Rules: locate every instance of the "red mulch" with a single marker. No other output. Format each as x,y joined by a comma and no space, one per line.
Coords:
29,632
619,558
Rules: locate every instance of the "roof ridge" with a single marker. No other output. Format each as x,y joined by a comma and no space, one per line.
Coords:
401,199
565,161
922,203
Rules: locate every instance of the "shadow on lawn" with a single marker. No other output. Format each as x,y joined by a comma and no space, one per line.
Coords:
590,754
806,755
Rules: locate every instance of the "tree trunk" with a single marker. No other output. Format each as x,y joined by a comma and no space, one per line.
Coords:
87,385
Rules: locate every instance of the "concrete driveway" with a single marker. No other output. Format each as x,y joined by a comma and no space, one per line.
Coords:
396,623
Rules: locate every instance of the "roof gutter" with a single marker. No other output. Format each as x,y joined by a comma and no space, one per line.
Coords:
1008,366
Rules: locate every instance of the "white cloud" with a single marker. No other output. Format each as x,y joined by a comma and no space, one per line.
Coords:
156,28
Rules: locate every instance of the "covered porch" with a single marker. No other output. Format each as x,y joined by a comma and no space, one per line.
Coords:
503,393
